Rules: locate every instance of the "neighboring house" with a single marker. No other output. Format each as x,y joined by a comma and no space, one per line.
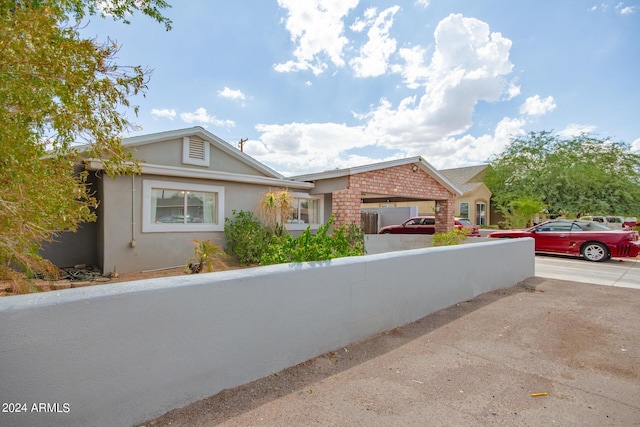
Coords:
191,180
474,203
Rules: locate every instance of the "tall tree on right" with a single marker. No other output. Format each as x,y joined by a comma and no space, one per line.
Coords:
576,176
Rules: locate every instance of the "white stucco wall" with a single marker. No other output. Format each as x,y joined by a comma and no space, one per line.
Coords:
122,353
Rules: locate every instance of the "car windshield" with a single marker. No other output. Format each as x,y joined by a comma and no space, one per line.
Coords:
464,221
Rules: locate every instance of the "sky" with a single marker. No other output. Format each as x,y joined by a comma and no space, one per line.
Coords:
315,85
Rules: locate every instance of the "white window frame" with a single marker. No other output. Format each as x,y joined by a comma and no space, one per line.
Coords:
303,226
147,190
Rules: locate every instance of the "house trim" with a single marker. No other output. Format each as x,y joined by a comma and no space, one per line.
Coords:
173,171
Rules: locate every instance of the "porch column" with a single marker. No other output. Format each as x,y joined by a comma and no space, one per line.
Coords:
346,207
445,211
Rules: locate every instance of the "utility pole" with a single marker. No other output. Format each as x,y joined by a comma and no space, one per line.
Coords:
241,143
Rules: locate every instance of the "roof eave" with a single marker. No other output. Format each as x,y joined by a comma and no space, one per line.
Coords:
173,171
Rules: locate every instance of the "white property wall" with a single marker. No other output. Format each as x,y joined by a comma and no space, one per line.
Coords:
122,353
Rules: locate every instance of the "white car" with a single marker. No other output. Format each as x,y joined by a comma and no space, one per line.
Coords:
613,222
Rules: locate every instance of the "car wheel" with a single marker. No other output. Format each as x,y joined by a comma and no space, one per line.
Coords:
595,251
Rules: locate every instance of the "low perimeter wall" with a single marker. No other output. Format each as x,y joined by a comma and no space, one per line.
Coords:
118,354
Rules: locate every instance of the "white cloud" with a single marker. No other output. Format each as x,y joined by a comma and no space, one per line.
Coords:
535,106
635,146
414,72
235,95
164,113
374,55
201,116
469,65
513,90
316,28
625,10
424,3
576,130
474,150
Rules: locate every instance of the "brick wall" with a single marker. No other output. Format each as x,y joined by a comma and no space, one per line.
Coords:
396,181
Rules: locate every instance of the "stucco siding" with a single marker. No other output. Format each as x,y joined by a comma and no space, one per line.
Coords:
153,250
169,153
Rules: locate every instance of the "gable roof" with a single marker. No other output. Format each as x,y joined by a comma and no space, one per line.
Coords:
418,161
464,175
468,179
207,136
271,177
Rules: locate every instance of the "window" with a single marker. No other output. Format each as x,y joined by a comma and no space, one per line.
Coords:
481,213
464,210
307,210
174,206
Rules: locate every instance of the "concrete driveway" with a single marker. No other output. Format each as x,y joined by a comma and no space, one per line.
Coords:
623,272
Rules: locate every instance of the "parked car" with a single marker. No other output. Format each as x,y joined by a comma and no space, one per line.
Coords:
589,239
427,225
613,222
179,219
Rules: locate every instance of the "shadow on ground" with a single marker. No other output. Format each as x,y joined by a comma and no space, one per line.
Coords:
230,403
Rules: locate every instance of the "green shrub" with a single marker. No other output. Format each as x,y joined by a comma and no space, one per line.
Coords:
246,237
347,240
455,236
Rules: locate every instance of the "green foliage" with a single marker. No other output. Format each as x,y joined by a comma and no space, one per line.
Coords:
58,89
345,241
522,211
246,237
206,256
582,175
455,236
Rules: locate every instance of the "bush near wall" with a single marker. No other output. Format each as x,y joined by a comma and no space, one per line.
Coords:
252,242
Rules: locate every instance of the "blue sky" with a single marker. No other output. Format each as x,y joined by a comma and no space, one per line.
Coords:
324,84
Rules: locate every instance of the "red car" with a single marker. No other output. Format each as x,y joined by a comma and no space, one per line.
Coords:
427,225
588,239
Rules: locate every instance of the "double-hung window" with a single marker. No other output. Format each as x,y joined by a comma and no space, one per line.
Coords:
176,206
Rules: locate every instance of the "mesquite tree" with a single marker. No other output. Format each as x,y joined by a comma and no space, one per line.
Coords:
58,89
580,175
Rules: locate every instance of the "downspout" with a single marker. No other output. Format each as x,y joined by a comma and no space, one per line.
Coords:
133,212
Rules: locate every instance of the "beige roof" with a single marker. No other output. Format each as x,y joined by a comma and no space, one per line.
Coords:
464,175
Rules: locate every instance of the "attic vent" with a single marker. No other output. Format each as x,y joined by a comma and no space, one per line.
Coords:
195,151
